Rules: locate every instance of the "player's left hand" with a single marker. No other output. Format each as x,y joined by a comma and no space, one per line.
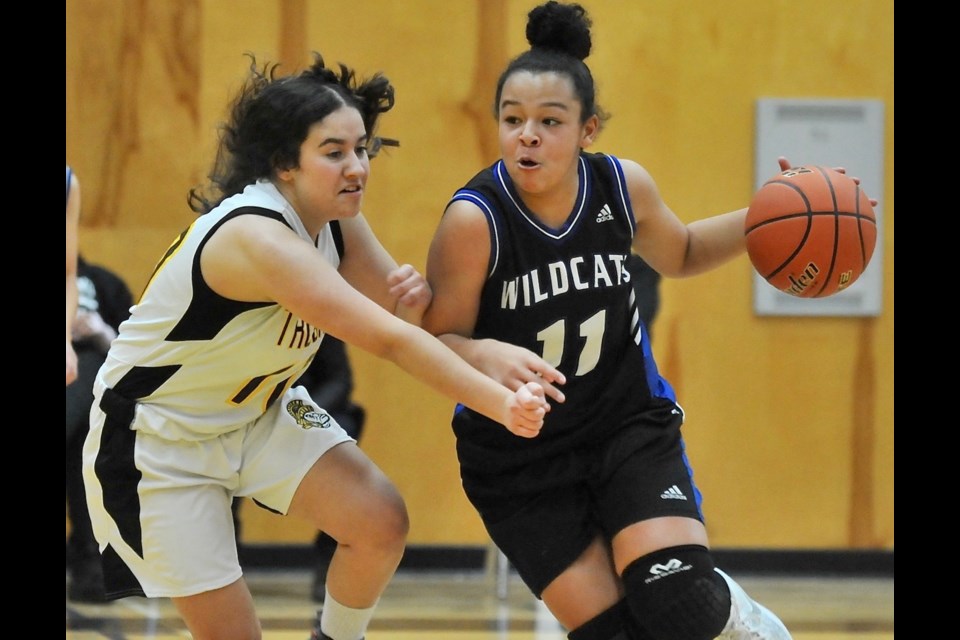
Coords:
411,291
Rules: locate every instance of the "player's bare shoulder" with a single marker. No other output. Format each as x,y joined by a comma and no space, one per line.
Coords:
639,180
644,194
463,226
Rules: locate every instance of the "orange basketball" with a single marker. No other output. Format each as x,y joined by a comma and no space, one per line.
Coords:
811,231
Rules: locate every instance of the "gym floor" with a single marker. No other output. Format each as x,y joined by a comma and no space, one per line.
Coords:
483,605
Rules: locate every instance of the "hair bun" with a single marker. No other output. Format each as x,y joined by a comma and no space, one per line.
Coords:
562,27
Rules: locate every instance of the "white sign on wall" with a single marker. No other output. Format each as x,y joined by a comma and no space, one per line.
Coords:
832,133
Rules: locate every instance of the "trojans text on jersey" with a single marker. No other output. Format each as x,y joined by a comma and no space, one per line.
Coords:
298,334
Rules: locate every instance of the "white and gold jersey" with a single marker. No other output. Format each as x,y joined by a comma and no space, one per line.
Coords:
205,364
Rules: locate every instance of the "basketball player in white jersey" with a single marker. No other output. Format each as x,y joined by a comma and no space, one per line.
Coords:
195,404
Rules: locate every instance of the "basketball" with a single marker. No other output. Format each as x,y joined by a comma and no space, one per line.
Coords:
810,231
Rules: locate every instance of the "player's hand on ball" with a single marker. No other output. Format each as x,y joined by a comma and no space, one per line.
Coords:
785,166
526,410
873,201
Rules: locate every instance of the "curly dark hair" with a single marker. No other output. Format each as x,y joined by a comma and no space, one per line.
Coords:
270,119
559,37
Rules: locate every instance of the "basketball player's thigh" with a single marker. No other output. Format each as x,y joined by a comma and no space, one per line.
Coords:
283,445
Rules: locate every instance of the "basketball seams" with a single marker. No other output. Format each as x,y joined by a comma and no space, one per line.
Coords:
783,265
794,187
821,242
836,232
860,219
809,214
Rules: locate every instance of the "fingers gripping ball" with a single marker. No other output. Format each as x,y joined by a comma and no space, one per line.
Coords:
811,231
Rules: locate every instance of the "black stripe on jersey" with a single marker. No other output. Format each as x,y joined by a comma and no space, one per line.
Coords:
116,469
140,382
276,393
208,311
337,236
251,387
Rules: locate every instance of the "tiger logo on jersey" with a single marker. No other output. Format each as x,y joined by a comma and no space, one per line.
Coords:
308,416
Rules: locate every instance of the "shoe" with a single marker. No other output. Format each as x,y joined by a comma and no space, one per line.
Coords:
316,634
86,581
750,620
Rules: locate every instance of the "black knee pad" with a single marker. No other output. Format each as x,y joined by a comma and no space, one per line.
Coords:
609,625
674,594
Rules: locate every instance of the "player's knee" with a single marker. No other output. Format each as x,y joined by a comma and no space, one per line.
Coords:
399,528
380,522
390,527
391,524
609,625
674,594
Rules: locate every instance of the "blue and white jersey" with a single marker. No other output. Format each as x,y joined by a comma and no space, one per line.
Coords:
566,295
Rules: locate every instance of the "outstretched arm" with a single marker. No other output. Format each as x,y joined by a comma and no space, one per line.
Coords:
674,248
677,249
254,258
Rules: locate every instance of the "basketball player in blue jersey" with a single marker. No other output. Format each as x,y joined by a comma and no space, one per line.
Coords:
599,513
195,403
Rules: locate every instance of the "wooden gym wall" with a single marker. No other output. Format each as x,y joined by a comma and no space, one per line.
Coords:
789,420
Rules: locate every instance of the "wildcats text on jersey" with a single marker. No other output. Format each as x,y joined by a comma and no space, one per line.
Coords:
557,278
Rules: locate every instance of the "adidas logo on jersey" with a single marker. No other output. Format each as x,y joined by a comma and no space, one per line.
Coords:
605,214
673,493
